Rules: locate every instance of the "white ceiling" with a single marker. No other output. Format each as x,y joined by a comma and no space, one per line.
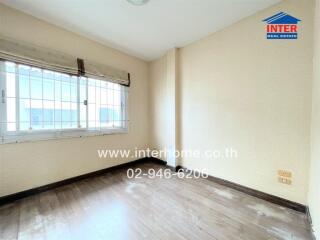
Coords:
144,31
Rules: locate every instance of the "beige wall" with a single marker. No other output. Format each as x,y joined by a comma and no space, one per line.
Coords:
162,87
28,165
242,91
238,90
158,103
314,189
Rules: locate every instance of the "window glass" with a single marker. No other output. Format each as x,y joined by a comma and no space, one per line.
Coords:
38,99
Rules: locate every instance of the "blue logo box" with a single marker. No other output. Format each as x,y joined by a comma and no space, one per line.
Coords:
282,36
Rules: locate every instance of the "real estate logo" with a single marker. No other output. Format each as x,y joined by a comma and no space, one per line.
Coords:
282,26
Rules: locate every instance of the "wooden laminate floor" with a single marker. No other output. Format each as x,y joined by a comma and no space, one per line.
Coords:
114,207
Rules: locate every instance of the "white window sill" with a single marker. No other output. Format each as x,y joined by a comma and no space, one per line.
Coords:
55,135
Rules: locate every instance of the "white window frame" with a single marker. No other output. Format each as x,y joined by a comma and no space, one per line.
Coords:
47,134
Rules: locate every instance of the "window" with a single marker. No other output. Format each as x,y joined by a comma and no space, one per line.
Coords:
37,102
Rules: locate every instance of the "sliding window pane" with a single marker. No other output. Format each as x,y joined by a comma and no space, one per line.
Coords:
83,98
24,114
57,115
57,89
117,98
105,109
48,89
110,97
48,114
24,86
92,112
11,114
91,94
117,116
65,93
36,114
74,115
11,96
104,96
74,93
36,87
11,85
66,116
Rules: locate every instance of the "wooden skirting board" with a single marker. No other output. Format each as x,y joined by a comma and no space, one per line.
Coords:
252,192
268,197
16,196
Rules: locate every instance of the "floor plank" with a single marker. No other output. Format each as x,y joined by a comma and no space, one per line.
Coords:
114,207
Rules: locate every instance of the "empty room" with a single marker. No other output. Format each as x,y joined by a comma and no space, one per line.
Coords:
160,119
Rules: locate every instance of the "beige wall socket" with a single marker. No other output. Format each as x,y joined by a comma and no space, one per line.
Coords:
285,180
285,173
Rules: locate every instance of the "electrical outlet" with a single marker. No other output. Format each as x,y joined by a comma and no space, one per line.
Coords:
284,173
284,180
